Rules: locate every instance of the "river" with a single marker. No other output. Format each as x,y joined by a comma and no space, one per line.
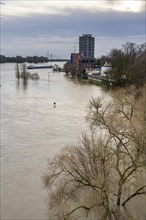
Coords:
32,131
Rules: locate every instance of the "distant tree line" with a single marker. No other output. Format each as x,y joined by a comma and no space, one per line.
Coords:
20,59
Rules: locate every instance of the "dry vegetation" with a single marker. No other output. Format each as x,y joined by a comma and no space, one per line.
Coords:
102,172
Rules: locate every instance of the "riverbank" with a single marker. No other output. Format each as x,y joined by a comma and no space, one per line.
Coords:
104,84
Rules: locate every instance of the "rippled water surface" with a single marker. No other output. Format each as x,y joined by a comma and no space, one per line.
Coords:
32,131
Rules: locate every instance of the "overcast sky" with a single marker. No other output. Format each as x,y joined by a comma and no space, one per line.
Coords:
44,27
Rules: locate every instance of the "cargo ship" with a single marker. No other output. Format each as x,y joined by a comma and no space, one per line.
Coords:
39,67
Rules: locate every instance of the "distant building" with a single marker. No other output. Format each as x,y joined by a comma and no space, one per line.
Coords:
86,63
74,59
84,60
105,69
86,45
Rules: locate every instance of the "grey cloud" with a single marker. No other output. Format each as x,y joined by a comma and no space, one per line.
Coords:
38,32
101,23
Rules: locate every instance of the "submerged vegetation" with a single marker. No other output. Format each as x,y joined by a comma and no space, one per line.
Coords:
105,170
24,74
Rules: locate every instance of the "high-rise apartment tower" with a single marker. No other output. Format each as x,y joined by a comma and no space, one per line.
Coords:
86,45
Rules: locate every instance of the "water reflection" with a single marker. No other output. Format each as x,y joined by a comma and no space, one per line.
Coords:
17,83
21,83
25,84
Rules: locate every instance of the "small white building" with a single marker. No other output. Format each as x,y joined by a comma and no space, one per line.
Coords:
105,69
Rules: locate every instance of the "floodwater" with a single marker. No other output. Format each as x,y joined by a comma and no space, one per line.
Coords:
33,130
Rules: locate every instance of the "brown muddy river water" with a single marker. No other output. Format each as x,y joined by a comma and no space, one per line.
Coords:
32,131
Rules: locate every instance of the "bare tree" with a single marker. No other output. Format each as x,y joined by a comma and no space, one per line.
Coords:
125,126
17,71
24,73
100,173
128,64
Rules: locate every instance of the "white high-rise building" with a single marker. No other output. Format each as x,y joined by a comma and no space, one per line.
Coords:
86,45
